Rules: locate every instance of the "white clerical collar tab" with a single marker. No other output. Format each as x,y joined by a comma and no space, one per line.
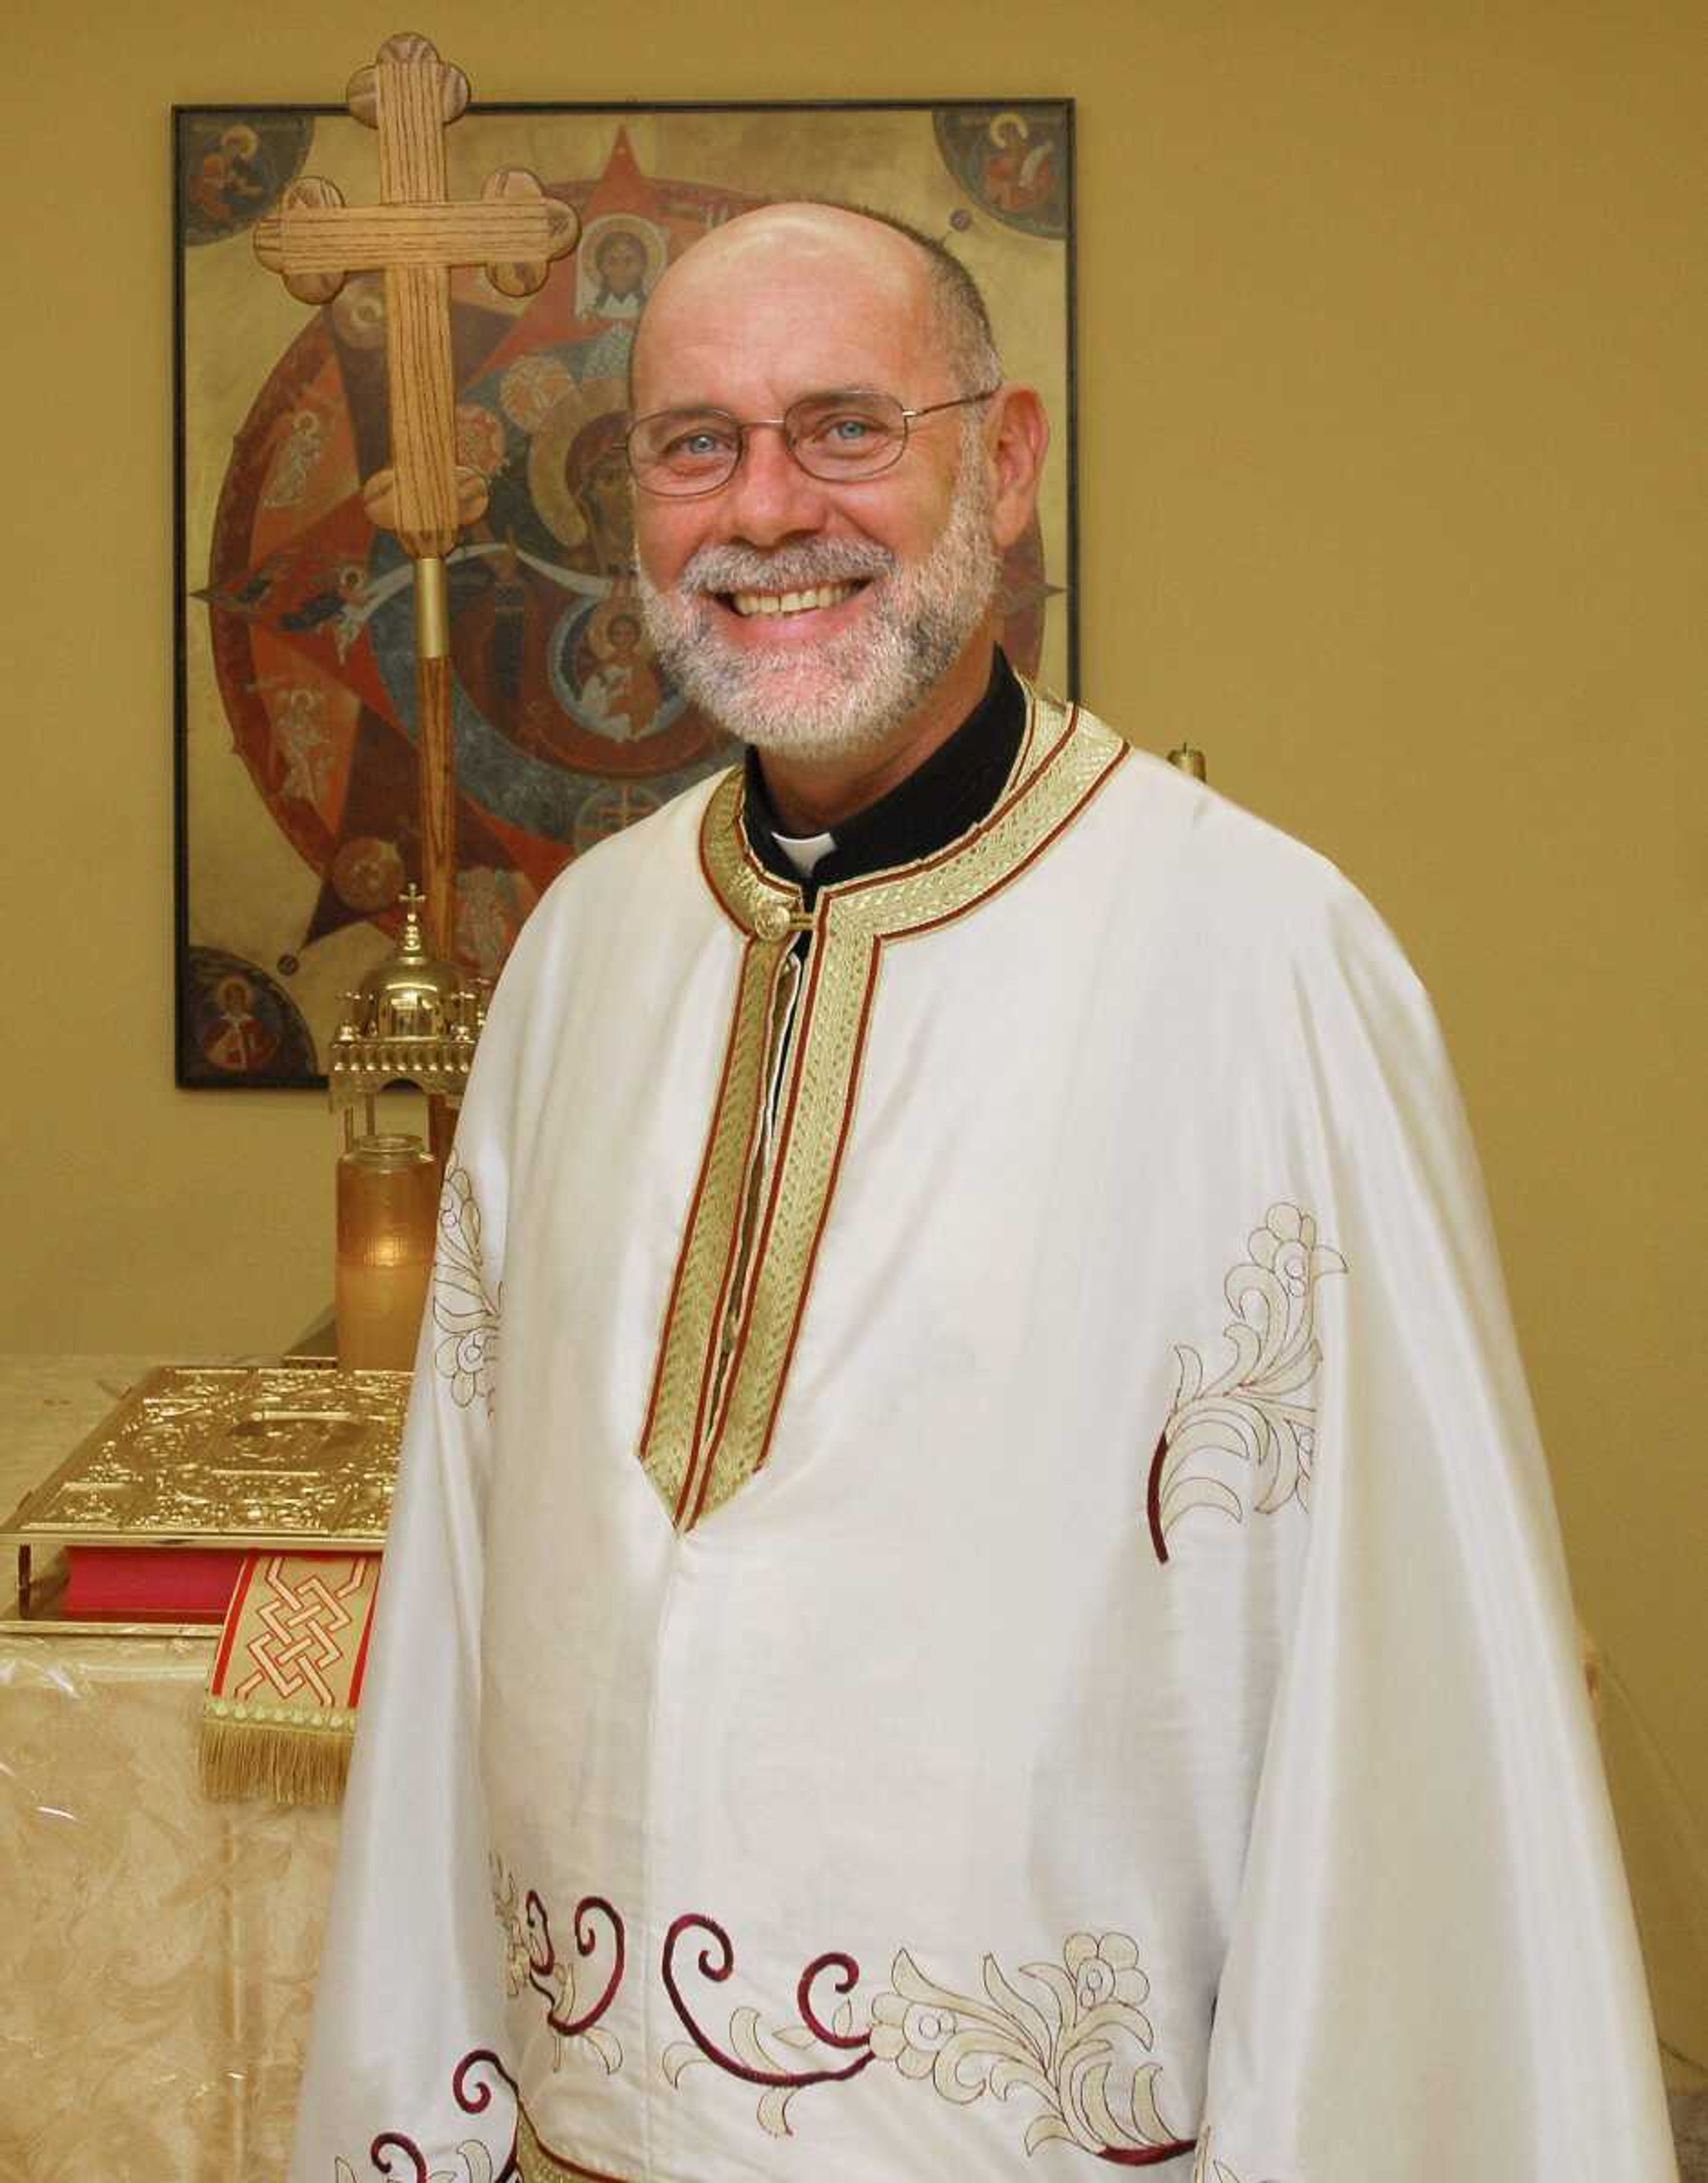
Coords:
806,852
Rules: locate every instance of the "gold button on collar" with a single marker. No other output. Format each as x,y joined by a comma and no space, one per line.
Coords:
773,919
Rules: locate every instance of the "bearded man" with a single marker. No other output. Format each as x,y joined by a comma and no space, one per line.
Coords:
972,1591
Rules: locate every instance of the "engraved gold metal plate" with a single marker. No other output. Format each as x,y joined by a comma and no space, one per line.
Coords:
299,1457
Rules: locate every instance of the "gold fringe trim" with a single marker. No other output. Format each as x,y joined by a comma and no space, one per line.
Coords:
290,1762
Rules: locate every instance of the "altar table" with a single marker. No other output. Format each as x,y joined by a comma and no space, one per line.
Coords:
157,1952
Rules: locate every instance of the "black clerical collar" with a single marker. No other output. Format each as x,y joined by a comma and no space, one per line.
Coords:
937,802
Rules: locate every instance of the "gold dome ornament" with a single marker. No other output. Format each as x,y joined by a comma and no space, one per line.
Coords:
413,1019
411,994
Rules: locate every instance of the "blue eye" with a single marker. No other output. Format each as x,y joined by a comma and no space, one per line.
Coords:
697,445
845,428
849,435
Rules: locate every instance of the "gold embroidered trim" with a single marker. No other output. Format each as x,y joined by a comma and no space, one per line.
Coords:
536,2162
687,1358
697,1454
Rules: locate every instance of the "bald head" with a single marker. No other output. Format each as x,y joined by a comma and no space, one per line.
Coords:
807,252
838,613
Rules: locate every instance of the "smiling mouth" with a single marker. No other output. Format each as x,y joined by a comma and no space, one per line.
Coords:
749,604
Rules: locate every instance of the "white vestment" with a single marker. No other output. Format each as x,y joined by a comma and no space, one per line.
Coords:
980,1598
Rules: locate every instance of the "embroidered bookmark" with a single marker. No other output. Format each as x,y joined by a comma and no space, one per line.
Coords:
280,1713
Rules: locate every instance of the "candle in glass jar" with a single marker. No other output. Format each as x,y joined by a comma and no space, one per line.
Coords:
388,1197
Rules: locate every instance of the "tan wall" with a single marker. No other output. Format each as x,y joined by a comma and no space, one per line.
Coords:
1393,362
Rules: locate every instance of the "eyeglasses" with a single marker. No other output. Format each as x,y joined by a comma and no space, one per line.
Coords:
848,433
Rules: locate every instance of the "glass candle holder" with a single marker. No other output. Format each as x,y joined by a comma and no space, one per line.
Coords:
388,1204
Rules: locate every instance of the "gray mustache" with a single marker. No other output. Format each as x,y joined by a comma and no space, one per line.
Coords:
798,567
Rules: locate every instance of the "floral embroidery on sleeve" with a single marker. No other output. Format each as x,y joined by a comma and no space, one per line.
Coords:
531,1959
1076,2041
474,2093
1261,1409
474,2164
465,1312
1071,2037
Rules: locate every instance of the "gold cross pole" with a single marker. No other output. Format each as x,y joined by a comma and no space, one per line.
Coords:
414,236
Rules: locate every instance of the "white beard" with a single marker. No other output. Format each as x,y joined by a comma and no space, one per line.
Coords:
849,693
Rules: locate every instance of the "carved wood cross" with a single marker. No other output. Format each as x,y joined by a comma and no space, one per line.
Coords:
415,235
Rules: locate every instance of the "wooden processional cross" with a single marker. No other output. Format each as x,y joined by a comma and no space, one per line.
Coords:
415,235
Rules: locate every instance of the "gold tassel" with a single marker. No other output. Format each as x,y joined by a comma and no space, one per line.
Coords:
267,1736
290,1763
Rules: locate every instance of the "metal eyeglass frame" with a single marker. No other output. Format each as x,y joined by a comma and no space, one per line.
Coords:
745,425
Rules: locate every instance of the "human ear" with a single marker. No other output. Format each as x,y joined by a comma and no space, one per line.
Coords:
1017,437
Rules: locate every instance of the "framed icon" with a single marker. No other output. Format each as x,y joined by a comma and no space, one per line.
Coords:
295,693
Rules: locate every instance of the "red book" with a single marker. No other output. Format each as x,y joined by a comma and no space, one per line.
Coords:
186,1584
